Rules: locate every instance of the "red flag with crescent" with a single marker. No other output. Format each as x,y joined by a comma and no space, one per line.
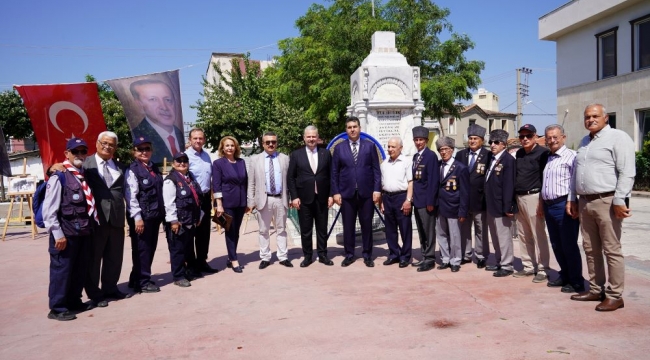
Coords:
61,112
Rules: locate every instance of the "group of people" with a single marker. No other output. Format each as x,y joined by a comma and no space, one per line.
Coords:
478,191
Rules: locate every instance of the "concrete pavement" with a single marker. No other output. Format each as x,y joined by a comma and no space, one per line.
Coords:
325,312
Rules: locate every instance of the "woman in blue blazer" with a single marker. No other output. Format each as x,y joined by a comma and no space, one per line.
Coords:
229,184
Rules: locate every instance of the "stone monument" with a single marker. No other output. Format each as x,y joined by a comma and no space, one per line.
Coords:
385,93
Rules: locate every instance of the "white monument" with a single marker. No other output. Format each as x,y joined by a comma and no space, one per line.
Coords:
385,93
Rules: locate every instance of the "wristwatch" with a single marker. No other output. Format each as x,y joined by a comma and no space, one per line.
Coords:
409,199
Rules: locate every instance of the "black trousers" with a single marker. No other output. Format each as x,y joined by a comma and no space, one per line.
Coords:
314,213
143,249
232,235
179,245
105,261
67,272
202,233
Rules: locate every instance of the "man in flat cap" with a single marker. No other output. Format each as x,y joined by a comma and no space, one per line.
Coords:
500,202
426,178
476,157
453,200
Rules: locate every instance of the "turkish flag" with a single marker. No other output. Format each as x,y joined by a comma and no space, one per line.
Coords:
61,112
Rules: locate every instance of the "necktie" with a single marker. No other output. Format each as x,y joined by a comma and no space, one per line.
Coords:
416,160
472,160
108,178
90,200
271,176
172,144
355,153
442,170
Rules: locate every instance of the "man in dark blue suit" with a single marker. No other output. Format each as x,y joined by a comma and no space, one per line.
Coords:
356,187
500,201
476,157
453,201
426,177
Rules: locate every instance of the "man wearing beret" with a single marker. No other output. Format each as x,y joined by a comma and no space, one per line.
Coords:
476,157
426,178
500,202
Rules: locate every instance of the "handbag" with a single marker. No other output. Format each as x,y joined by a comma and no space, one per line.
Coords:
224,220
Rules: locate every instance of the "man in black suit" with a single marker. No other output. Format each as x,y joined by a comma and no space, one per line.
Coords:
159,124
476,157
308,180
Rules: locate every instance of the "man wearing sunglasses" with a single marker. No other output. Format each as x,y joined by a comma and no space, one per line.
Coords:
531,160
69,215
267,191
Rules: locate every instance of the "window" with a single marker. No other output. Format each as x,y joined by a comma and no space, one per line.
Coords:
606,61
644,127
612,120
641,43
490,125
472,122
482,96
452,126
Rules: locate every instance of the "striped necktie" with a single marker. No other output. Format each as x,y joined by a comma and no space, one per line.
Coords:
355,153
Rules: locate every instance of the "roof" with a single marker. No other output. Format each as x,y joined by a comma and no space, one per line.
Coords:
486,113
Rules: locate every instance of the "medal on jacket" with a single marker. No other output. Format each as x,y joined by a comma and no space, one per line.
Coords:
145,181
480,169
76,197
448,186
498,168
453,183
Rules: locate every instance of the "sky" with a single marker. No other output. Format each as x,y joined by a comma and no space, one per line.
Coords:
48,42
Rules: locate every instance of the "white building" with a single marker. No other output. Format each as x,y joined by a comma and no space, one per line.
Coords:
603,56
224,60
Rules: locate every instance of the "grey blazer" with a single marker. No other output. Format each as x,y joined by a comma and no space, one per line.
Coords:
109,201
257,181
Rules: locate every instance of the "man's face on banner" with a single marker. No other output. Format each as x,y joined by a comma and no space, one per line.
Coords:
158,104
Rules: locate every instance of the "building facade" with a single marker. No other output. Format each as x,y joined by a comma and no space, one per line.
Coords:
475,114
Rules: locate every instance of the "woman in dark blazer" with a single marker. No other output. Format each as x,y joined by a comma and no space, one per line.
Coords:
229,184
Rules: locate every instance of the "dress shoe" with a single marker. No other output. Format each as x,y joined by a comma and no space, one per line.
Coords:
286,263
81,306
369,262
426,267
610,304
455,268
540,278
228,264
237,269
403,264
417,263
588,296
325,260
264,264
347,262
556,283
444,266
568,289
61,316
493,268
183,283
191,274
480,263
150,288
99,303
391,261
118,295
306,262
522,273
502,273
465,261
207,269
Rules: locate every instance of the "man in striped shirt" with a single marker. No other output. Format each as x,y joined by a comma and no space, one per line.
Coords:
562,228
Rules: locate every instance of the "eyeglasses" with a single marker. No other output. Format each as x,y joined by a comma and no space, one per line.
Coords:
78,151
182,161
554,138
270,142
106,145
526,136
495,142
143,149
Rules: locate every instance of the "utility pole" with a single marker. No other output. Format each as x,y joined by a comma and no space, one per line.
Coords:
522,93
373,8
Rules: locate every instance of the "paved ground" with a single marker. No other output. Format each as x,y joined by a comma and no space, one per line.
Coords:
325,312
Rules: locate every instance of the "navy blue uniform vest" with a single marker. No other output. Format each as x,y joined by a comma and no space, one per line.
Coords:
149,191
73,213
188,211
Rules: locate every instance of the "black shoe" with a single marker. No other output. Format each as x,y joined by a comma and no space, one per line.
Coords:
237,269
191,274
369,262
207,269
556,283
444,266
418,263
286,263
98,303
465,261
403,264
118,295
455,268
493,268
305,262
502,273
347,262
264,264
391,261
325,260
183,283
61,316
228,264
426,267
568,289
150,288
480,263
81,306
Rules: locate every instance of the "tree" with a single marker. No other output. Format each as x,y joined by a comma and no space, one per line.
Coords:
314,68
241,103
13,116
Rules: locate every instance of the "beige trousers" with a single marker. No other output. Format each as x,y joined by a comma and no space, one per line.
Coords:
533,243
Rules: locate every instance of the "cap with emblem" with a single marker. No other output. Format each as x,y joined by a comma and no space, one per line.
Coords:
528,127
180,155
499,135
445,141
420,132
139,140
476,130
75,143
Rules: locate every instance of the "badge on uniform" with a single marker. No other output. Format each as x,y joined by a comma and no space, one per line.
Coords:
480,169
447,187
145,181
76,197
498,168
183,192
453,183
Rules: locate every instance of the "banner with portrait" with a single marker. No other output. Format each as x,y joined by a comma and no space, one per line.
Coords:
152,104
61,112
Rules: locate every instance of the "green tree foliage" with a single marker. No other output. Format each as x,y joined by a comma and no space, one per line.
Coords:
241,103
313,71
13,116
642,178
